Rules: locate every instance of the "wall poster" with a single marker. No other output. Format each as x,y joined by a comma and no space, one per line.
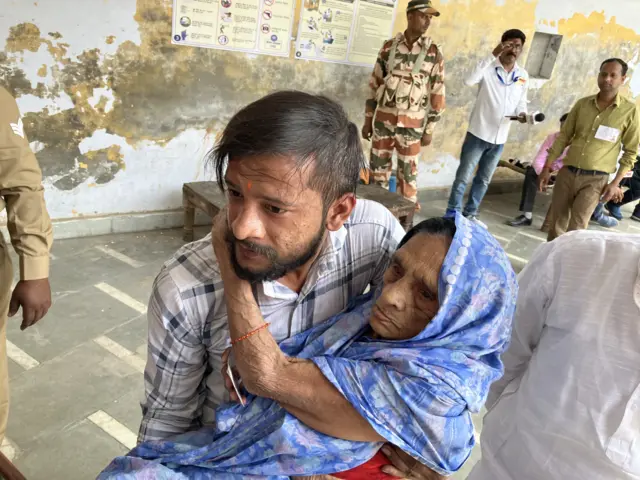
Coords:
253,26
344,31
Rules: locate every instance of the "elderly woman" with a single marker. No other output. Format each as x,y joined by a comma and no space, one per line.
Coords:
413,360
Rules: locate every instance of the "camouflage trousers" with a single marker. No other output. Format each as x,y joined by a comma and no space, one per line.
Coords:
400,130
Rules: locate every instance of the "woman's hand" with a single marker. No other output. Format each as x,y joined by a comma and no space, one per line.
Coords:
405,466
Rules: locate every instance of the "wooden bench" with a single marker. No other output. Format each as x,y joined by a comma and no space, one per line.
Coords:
203,195
8,470
400,207
207,197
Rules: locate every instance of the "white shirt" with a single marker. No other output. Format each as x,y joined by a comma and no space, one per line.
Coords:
187,315
568,406
500,94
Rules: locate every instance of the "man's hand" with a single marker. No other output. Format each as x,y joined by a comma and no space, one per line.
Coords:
543,179
34,296
522,118
619,197
405,466
501,48
227,381
367,129
611,192
426,139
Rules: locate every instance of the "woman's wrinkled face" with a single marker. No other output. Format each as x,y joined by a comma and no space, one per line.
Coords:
409,298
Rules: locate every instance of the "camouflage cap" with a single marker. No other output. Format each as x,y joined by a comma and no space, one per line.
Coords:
424,6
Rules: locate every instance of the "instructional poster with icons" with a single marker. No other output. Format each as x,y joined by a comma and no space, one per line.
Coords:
253,26
344,31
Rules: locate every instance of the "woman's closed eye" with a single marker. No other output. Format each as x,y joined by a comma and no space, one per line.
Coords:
427,294
396,270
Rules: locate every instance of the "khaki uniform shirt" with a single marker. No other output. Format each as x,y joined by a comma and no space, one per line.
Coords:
596,136
22,195
432,69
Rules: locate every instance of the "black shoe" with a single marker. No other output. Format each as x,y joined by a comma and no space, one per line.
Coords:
636,215
520,221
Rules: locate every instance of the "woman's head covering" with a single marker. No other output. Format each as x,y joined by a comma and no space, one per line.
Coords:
477,295
419,393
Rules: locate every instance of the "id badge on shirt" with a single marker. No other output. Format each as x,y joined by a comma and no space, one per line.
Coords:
608,134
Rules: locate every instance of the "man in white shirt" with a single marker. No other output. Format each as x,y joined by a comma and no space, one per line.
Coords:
502,93
568,406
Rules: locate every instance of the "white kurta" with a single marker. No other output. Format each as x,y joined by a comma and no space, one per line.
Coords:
568,407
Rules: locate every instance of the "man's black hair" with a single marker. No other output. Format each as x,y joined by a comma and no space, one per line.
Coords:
310,129
564,117
514,34
445,227
623,64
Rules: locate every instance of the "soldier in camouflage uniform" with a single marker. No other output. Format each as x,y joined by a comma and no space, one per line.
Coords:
406,100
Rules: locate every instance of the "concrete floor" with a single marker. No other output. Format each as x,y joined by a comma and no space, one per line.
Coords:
76,377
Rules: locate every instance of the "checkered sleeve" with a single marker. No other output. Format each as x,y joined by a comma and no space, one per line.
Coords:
176,363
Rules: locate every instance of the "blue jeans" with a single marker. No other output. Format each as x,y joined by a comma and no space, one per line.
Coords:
475,153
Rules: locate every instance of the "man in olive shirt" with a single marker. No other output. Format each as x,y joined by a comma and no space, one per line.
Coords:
597,128
29,226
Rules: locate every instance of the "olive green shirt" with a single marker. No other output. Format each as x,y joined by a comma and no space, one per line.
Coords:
585,122
22,195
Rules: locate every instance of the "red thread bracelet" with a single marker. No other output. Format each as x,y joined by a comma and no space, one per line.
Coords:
252,332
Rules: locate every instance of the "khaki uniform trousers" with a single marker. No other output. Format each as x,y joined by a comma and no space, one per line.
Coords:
6,278
575,197
401,130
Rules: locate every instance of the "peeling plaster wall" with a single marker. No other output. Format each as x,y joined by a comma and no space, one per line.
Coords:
120,118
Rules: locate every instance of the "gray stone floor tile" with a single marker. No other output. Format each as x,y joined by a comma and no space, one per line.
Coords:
88,267
15,370
126,409
78,452
72,320
137,282
131,335
148,246
58,394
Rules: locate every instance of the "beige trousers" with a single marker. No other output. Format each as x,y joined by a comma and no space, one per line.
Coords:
575,197
6,278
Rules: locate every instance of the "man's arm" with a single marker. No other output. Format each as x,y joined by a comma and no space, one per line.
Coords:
437,95
376,80
534,296
176,362
476,75
297,385
28,222
630,140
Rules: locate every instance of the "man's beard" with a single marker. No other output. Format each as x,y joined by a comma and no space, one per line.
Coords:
279,266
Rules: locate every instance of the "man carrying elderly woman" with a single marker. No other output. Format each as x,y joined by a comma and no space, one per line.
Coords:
405,364
325,389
